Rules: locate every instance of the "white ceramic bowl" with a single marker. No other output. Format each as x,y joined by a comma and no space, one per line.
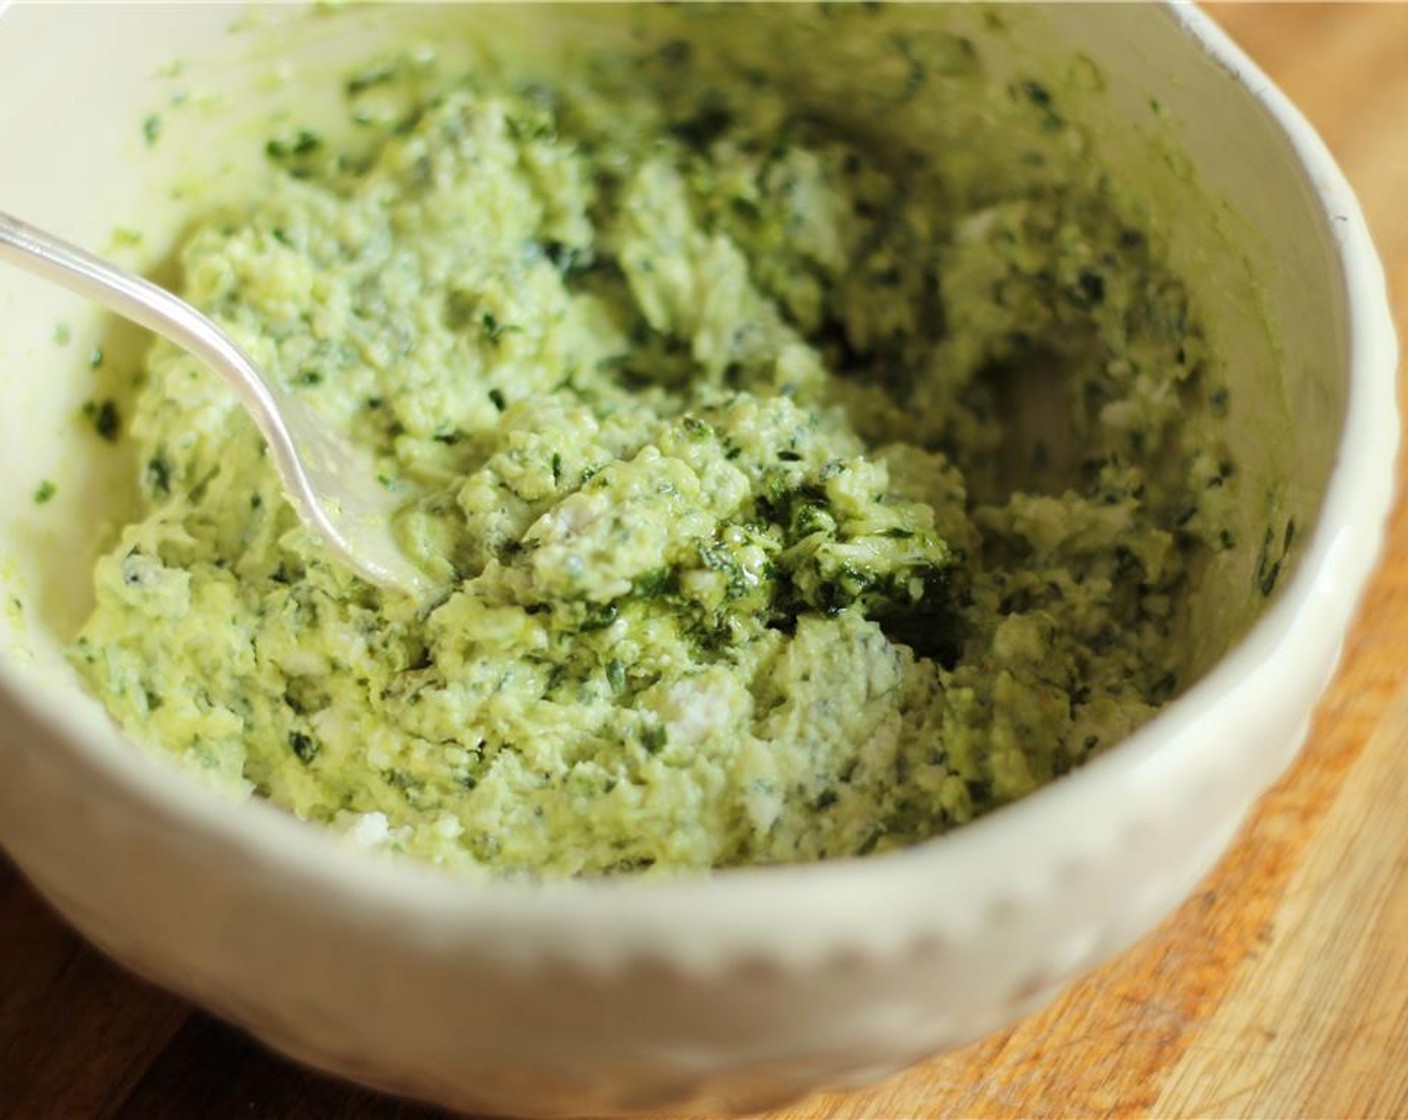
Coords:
748,987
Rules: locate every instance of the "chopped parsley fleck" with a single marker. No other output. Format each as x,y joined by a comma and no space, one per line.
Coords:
104,418
379,74
292,151
653,738
304,746
158,475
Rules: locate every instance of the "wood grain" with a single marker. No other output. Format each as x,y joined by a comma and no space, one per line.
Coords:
1332,983
1280,989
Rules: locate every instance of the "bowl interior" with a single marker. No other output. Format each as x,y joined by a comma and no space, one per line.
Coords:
165,112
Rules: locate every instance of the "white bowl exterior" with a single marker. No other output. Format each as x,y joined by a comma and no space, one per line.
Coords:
755,986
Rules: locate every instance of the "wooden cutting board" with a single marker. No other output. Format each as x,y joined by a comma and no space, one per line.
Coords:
1279,990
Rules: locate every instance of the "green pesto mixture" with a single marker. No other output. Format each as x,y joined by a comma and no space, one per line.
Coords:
789,502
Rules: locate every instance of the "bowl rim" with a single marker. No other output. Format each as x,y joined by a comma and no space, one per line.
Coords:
736,908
